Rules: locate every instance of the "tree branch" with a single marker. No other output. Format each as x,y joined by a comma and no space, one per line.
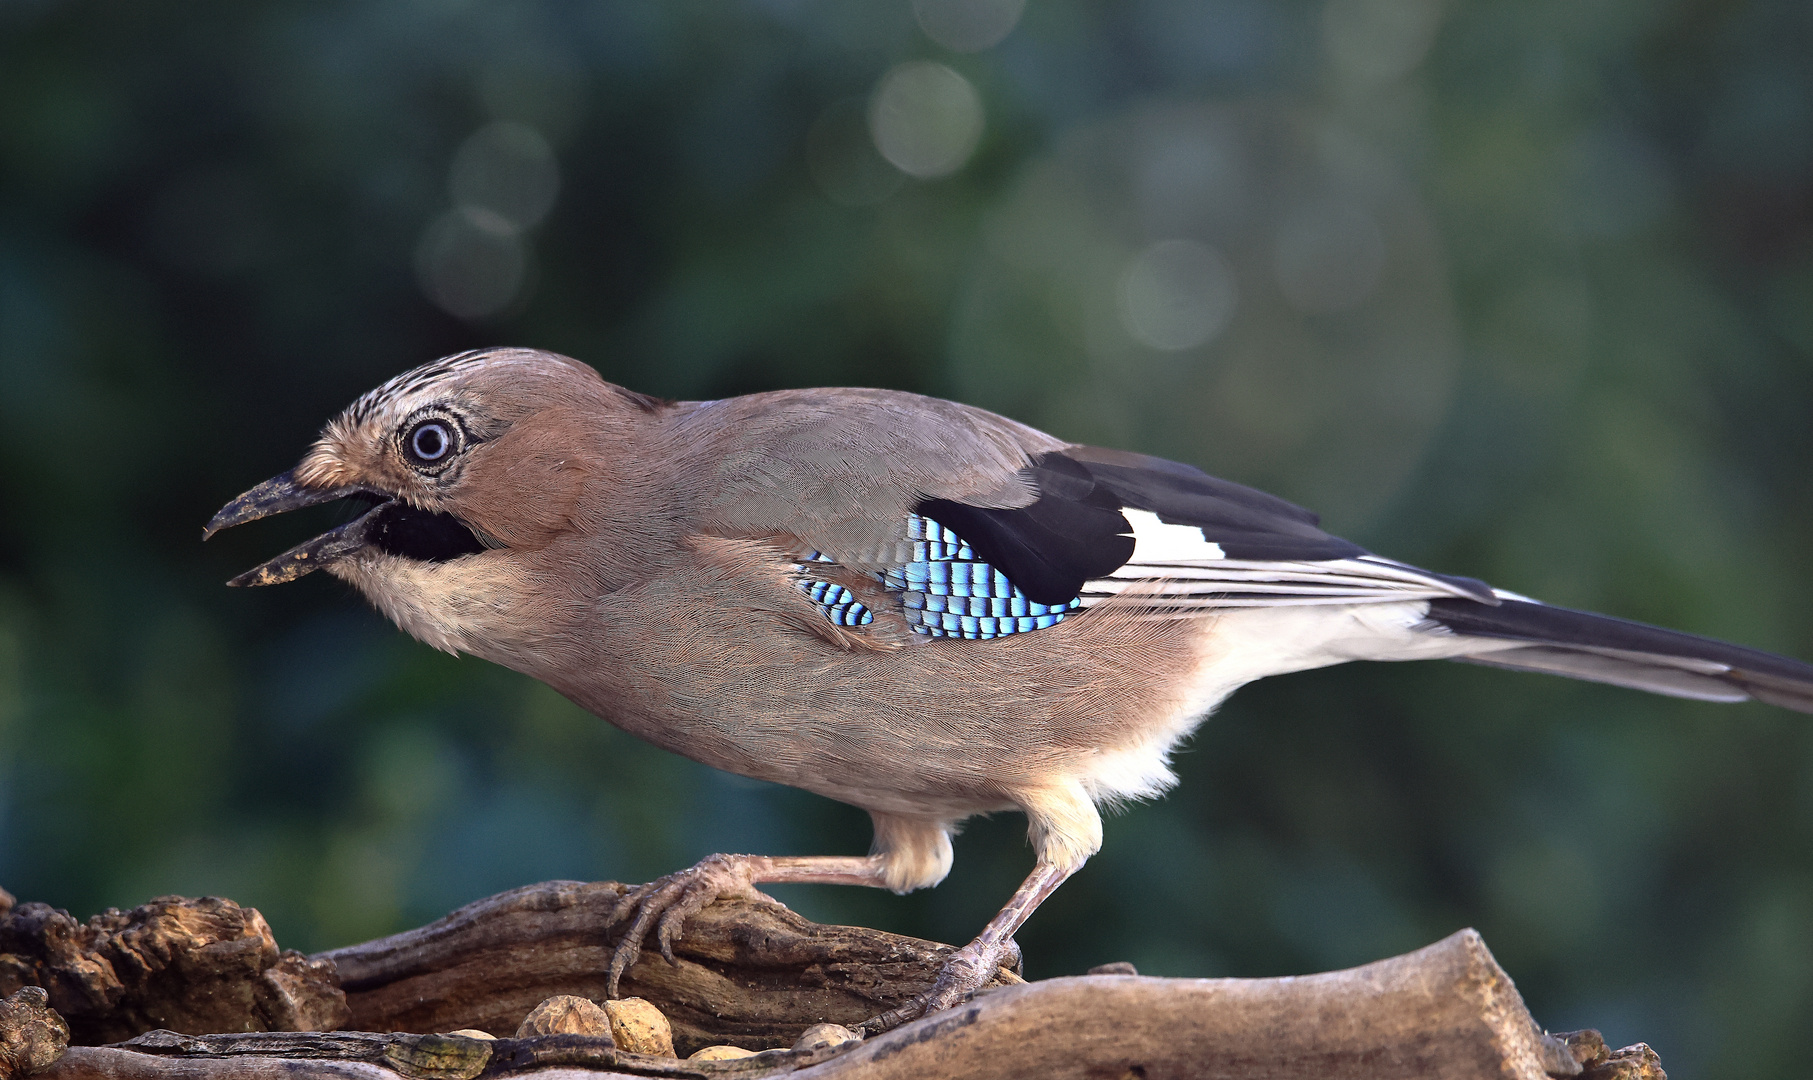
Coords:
756,975
750,973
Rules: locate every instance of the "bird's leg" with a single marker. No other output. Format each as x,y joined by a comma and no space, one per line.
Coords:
970,967
666,903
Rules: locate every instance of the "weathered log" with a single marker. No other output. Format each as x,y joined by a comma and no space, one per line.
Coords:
750,973
1445,1011
32,1035
754,974
1636,1062
189,964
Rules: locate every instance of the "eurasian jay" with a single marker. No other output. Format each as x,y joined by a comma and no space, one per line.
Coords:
906,604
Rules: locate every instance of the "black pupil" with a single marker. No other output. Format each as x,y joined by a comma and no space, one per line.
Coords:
429,441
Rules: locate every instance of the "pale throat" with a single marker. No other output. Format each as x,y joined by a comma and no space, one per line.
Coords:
476,604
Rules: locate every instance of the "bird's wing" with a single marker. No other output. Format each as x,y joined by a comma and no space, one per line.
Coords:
1169,539
1158,536
1172,538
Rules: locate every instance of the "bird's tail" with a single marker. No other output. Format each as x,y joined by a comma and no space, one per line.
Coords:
1600,648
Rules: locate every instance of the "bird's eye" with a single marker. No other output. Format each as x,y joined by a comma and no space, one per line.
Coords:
429,443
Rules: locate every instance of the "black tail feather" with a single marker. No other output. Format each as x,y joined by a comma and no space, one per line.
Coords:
1600,648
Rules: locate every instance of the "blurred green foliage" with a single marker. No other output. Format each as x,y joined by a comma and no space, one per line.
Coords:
1516,290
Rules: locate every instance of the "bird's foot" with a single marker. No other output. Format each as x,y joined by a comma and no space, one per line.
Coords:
968,970
665,904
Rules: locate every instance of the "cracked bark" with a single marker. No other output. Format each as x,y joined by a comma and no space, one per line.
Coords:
754,975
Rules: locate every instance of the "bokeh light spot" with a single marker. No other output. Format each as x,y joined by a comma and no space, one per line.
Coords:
506,169
471,263
1177,294
968,25
925,119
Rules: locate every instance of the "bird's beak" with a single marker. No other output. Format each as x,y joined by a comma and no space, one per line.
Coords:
283,493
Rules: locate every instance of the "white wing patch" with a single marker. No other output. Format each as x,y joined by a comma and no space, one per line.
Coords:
1177,568
1157,542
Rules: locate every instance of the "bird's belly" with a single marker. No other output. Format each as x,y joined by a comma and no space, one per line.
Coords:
944,728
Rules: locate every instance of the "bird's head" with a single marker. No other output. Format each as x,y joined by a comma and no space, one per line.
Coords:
462,464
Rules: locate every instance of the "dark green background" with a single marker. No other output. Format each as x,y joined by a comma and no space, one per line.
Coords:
1598,228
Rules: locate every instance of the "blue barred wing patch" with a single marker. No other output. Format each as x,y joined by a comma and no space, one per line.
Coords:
946,591
838,603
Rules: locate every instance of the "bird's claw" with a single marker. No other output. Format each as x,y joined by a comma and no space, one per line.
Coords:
666,903
968,970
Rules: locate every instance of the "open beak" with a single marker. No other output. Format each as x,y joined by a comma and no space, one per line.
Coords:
283,493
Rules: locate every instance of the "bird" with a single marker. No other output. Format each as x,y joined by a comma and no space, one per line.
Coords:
913,606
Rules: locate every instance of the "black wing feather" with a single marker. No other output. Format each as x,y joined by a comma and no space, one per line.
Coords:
1075,531
1072,533
1246,522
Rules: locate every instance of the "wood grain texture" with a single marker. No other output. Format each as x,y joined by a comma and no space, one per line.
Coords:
753,974
1446,1011
750,973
